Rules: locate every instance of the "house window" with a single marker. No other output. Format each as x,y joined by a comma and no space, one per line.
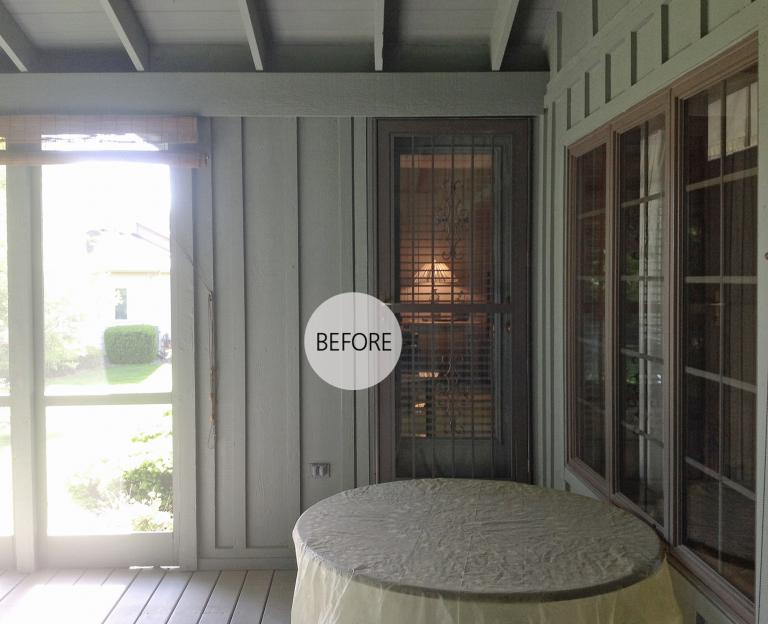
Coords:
121,304
662,319
718,358
589,297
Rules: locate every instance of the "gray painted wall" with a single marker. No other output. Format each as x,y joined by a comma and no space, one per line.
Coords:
606,56
278,206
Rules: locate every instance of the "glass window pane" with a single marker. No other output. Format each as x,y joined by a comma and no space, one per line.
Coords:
109,469
702,132
654,393
738,436
632,182
652,312
629,223
589,290
720,322
630,336
738,540
702,327
741,121
702,431
703,231
656,155
740,332
702,504
640,381
106,255
740,225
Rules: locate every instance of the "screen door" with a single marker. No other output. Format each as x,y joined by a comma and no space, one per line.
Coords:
453,262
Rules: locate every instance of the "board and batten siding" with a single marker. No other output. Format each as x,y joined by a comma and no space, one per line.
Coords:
606,56
281,226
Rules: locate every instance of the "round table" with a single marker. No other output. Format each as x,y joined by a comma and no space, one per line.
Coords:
456,550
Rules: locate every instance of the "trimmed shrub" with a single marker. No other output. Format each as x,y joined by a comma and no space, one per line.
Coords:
130,344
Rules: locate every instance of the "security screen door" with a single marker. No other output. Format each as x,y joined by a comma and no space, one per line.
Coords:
453,261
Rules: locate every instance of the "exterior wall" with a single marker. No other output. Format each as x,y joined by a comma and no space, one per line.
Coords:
606,56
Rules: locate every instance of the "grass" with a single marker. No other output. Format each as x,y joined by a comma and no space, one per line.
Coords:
113,374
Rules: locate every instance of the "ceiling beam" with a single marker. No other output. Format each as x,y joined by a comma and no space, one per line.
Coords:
501,29
271,94
130,31
15,42
254,32
379,7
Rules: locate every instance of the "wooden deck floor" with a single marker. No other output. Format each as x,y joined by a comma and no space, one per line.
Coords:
146,596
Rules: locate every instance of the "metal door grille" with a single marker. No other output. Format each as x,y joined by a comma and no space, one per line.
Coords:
451,216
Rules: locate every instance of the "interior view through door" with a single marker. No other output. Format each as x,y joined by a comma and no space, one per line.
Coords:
453,261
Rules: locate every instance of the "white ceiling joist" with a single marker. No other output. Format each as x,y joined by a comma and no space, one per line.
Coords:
15,42
378,34
501,29
254,32
130,31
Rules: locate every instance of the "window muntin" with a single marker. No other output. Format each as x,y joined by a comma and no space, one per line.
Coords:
640,349
589,303
718,358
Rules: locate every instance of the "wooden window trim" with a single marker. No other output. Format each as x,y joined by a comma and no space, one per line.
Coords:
668,102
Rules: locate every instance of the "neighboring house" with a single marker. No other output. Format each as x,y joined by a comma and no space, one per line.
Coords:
132,278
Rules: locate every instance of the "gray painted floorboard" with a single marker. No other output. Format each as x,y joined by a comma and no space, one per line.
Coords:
148,596
278,607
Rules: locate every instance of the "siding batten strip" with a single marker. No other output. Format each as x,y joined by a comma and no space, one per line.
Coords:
346,220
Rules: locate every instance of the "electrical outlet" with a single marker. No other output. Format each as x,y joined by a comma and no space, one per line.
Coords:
320,470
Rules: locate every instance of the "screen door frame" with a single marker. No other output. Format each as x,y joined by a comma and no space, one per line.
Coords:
518,202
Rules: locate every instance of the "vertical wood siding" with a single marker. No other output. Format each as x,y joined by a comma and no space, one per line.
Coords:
281,213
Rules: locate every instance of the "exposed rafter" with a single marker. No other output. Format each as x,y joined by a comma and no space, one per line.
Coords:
15,42
254,32
501,29
379,7
128,27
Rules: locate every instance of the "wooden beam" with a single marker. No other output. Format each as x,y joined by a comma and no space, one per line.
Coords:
501,29
254,32
130,31
266,94
379,7
15,42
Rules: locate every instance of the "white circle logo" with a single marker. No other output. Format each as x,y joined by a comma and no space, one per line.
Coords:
353,341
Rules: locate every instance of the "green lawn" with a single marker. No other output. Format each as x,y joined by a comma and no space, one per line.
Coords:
113,374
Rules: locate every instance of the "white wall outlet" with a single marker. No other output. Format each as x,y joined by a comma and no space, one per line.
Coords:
320,470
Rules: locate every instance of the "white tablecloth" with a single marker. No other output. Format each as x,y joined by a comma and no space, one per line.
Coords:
448,550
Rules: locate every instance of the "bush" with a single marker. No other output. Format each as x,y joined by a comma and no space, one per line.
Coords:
150,483
131,344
